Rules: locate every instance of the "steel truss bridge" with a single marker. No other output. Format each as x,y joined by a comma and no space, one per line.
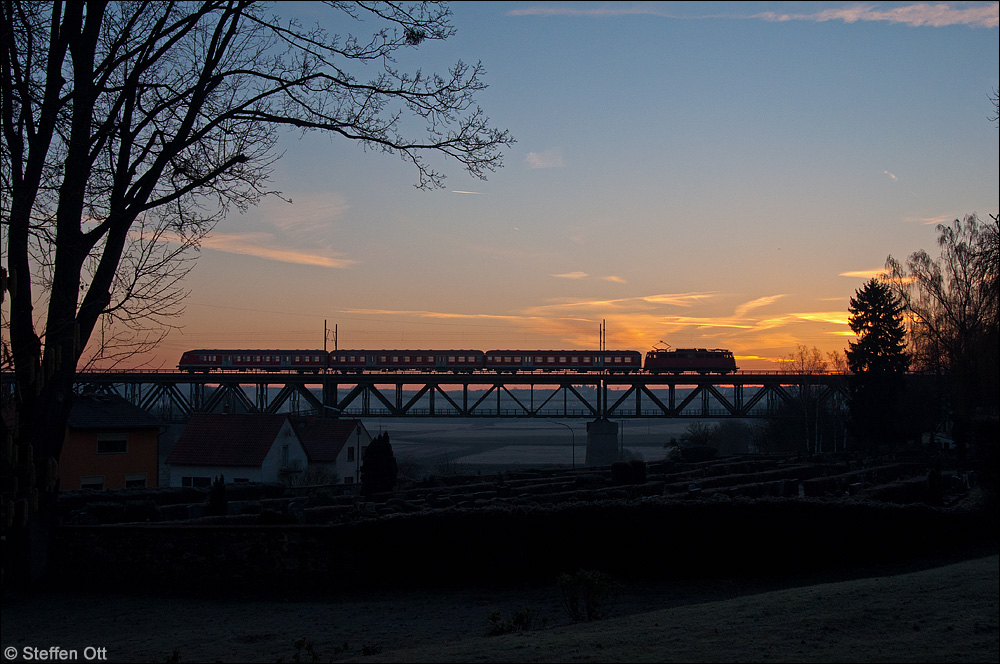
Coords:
175,396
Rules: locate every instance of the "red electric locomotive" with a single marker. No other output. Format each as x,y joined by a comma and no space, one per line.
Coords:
682,360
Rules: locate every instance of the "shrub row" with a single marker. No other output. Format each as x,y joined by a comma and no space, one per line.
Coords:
638,540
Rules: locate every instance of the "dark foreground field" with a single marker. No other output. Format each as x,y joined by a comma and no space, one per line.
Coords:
931,611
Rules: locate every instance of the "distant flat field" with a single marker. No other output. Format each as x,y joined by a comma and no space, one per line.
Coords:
480,444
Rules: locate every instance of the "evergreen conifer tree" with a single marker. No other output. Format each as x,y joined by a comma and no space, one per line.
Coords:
878,362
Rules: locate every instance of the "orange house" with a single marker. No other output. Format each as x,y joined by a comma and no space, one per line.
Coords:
110,444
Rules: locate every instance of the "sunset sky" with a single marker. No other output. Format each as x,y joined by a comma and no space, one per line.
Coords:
708,174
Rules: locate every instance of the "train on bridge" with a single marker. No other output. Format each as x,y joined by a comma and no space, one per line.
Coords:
656,361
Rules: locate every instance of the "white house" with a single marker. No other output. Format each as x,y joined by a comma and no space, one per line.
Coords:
242,447
335,447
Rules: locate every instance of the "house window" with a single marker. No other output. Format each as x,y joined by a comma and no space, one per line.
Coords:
112,443
284,456
135,480
350,454
348,480
92,482
196,481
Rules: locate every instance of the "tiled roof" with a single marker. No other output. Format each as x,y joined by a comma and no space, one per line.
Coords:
105,411
324,438
238,439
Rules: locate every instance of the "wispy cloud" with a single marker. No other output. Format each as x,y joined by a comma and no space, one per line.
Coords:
862,274
933,221
747,307
457,191
625,304
309,213
939,14
680,299
551,158
418,313
263,245
583,275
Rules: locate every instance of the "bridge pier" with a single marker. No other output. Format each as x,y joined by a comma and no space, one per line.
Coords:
602,442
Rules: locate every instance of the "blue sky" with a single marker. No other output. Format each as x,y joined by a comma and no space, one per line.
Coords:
705,174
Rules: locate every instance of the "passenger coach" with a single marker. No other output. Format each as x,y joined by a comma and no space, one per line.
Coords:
563,360
302,361
355,361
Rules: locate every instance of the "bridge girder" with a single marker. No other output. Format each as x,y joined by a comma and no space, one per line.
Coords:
616,396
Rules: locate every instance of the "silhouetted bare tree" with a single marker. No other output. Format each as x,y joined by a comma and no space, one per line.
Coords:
953,306
130,128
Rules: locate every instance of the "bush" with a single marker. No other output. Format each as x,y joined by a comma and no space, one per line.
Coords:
378,468
621,473
638,471
521,621
697,454
218,503
588,594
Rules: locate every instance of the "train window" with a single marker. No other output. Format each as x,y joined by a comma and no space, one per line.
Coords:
575,360
451,359
381,359
618,360
562,359
539,359
406,358
551,358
